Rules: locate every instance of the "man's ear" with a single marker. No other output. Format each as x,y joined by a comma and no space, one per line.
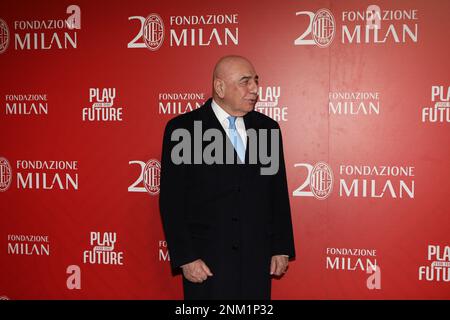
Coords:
219,87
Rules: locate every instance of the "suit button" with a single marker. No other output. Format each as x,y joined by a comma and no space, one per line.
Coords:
235,247
238,189
234,219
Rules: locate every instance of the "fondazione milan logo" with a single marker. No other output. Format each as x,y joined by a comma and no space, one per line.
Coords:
321,180
320,29
153,32
5,174
152,172
323,28
4,36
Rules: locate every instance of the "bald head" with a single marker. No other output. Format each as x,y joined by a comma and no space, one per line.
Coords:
235,85
225,65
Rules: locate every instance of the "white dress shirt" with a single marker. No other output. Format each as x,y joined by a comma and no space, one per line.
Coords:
222,116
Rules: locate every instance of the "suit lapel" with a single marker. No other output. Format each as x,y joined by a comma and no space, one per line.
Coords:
249,124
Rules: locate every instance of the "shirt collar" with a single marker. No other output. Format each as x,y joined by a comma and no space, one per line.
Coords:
221,114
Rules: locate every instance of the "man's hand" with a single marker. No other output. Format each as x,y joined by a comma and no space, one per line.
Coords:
279,265
196,271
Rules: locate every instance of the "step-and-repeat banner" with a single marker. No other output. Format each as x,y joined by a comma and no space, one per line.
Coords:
360,88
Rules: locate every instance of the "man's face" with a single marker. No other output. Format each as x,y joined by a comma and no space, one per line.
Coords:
241,88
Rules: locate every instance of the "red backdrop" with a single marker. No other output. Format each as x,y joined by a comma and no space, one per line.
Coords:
364,114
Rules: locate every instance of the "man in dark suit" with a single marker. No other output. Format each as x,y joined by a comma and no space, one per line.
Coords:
227,224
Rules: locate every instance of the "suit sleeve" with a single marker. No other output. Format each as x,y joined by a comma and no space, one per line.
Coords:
172,205
283,237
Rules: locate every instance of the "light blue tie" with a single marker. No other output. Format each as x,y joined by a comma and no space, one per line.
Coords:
236,139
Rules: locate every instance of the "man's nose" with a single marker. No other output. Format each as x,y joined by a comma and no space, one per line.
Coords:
253,87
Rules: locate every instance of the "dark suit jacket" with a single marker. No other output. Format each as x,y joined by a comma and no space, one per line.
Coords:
231,216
